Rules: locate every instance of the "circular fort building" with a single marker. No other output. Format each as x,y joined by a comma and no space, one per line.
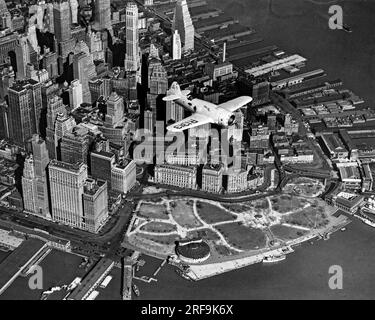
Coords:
193,251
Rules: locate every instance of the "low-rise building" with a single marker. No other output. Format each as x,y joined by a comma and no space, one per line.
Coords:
334,146
348,202
236,180
350,175
179,176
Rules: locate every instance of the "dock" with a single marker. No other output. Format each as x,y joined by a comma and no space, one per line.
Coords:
158,269
127,280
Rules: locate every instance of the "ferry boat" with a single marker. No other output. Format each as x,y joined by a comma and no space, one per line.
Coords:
346,28
183,274
136,290
274,258
366,220
363,215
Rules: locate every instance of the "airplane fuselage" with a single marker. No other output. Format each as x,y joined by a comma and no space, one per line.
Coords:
217,114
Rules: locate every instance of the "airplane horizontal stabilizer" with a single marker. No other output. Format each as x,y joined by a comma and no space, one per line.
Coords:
171,97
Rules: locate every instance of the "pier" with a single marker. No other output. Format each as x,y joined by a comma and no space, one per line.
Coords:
158,269
127,279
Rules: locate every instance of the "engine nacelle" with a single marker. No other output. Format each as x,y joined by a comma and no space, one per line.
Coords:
226,119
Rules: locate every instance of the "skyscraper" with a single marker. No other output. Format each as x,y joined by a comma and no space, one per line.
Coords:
84,70
34,180
123,176
157,83
157,77
25,104
132,57
62,28
115,109
4,128
95,204
102,14
74,11
183,23
29,186
101,165
149,120
75,94
5,16
61,19
176,46
174,111
63,125
67,187
75,146
55,106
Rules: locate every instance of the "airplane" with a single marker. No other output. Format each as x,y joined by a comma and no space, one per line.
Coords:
203,111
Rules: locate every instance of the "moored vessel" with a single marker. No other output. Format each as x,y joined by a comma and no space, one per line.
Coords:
274,258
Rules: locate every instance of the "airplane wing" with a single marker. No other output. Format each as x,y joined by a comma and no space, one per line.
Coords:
235,104
190,122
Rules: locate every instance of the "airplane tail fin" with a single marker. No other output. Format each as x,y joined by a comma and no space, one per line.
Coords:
175,93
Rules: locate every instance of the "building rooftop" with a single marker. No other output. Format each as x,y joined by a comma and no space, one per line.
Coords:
19,86
93,186
213,167
67,166
103,154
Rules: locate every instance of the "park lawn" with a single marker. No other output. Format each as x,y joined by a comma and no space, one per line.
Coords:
183,213
312,217
287,203
287,233
213,214
206,234
304,187
164,240
224,250
317,215
158,227
258,206
242,237
234,207
153,211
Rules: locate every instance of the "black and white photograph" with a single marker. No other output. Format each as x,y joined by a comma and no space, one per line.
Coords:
183,156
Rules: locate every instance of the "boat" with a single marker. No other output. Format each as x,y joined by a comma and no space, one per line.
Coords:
346,28
183,274
136,290
364,218
343,229
369,222
274,258
326,236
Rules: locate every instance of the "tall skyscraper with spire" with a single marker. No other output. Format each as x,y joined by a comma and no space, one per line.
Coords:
132,58
183,23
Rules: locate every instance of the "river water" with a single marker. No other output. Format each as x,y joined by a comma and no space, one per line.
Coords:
298,26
